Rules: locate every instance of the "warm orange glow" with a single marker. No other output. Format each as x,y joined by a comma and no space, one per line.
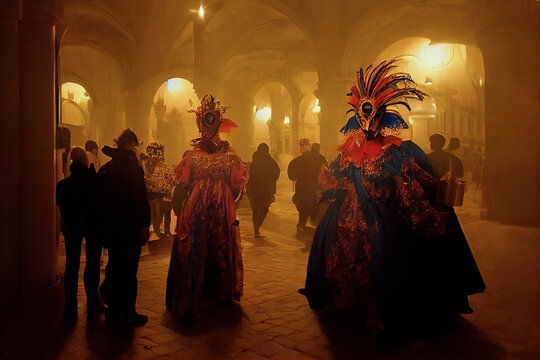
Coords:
436,56
263,114
174,85
316,108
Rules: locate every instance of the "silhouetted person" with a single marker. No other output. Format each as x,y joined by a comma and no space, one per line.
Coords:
453,145
261,186
126,219
76,196
92,151
442,161
305,170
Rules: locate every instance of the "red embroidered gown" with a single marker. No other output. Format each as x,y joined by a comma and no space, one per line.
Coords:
206,262
384,254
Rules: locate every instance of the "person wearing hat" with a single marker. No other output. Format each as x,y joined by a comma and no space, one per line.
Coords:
126,212
305,170
76,197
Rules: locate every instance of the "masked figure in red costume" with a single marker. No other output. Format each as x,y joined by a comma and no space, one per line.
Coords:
385,256
206,262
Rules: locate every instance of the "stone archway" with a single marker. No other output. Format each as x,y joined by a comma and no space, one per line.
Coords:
453,75
169,122
274,110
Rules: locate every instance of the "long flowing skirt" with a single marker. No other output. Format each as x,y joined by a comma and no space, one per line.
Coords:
206,261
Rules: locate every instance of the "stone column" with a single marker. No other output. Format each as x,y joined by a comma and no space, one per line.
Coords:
10,11
512,162
295,150
203,81
332,100
37,115
138,105
241,110
109,122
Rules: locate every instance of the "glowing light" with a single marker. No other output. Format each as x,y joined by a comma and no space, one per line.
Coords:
74,92
201,11
316,108
428,81
411,121
436,56
481,82
174,85
286,120
263,114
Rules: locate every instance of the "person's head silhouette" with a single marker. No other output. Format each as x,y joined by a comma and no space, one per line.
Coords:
437,141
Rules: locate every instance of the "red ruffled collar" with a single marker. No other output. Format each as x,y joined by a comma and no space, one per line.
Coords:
356,148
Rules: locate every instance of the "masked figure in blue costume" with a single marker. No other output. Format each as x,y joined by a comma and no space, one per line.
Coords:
384,255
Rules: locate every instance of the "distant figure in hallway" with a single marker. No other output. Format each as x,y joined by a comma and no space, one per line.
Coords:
305,169
261,186
206,258
442,161
76,196
92,151
160,181
453,146
126,213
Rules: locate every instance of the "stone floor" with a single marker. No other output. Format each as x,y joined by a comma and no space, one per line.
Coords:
274,321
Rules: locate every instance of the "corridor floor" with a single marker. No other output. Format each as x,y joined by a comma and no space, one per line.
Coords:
274,322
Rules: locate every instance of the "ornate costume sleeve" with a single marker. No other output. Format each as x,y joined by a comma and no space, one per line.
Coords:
182,171
329,182
415,206
238,175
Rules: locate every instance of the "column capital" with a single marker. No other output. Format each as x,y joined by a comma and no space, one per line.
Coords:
11,9
42,10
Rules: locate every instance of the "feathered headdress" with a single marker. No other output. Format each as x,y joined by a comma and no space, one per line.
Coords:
210,118
376,91
210,121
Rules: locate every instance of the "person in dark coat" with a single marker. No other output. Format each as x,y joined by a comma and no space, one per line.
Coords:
305,170
76,197
127,219
443,161
261,185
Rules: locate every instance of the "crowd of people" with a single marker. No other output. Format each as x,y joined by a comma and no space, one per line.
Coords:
385,253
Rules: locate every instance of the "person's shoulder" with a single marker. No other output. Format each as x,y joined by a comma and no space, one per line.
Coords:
189,153
410,148
295,160
454,157
63,183
105,168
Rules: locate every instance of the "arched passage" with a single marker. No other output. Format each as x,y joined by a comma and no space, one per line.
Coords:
453,76
75,112
273,111
170,123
